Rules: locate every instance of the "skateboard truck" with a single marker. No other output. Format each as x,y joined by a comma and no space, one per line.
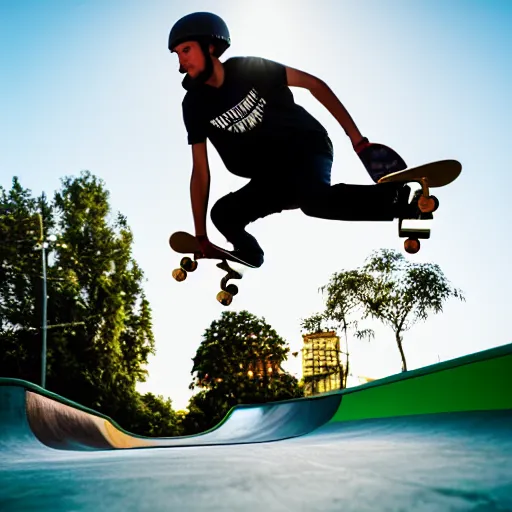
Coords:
228,291
426,202
430,175
412,244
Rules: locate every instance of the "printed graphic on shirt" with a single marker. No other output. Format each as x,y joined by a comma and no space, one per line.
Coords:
242,117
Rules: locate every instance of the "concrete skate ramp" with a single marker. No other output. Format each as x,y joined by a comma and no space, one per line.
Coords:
437,438
478,382
62,424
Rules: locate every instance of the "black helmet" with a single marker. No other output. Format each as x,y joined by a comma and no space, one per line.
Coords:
201,25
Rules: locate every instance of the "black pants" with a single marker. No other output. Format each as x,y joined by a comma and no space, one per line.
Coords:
304,183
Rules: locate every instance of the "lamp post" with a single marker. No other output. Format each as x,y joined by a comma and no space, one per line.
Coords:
42,246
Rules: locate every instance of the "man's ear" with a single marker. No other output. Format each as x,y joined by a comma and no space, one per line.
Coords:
211,49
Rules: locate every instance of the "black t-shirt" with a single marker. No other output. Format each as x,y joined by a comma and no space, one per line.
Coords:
252,120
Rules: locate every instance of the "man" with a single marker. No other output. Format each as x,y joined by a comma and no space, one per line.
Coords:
245,108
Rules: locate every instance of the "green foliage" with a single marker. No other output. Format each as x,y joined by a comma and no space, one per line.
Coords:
100,296
99,320
153,416
316,323
401,293
205,410
343,310
20,281
238,361
391,289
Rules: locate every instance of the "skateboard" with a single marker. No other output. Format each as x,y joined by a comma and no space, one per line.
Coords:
185,243
430,175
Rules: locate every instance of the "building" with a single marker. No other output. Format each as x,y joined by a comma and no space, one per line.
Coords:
322,369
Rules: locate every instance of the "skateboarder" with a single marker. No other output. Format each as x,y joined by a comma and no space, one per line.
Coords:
245,107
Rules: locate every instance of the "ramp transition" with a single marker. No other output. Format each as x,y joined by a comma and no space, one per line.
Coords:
438,438
30,415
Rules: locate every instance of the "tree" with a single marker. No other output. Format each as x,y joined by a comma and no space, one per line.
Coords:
99,320
238,361
101,287
401,293
205,410
344,308
391,289
21,292
153,416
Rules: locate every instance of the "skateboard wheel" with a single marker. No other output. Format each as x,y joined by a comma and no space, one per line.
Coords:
179,274
225,298
427,204
412,245
188,264
232,289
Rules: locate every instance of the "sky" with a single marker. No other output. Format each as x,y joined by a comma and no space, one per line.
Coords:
91,85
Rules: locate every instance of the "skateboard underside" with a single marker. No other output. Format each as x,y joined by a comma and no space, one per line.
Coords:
434,174
185,243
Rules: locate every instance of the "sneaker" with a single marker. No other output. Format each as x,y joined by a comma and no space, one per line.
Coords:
253,259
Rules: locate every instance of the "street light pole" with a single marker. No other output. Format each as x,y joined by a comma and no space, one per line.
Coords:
41,246
44,304
44,327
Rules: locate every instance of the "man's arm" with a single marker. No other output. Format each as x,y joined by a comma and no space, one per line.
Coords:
200,187
322,92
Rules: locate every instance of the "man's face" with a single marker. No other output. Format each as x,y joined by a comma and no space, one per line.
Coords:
190,57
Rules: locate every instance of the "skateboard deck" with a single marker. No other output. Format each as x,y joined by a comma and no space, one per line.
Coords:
186,243
431,175
435,174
